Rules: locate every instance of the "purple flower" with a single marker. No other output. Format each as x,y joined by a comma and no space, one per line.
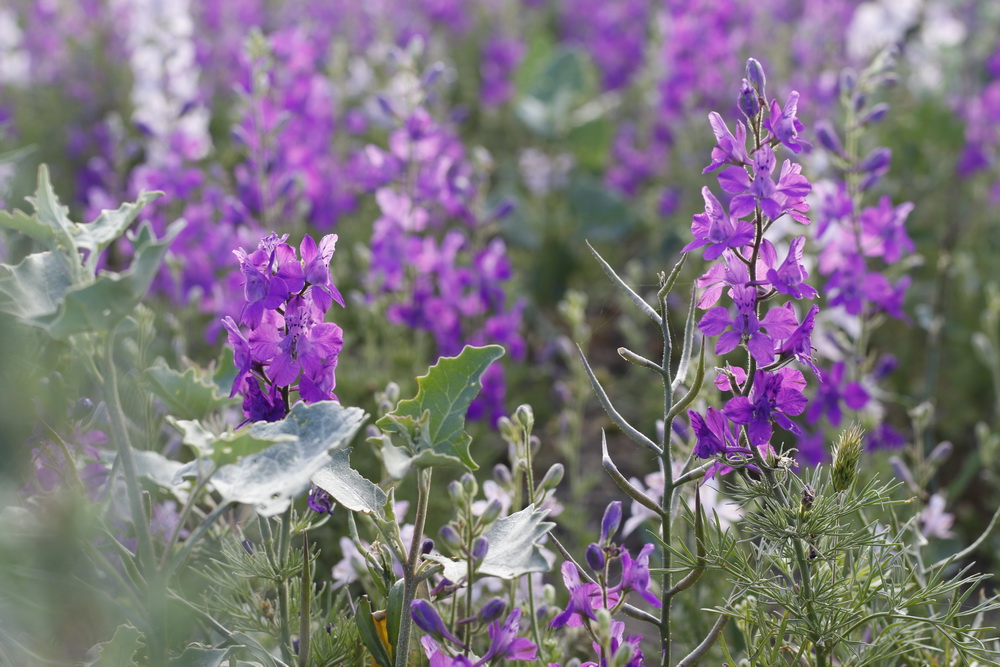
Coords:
831,392
728,149
786,196
789,277
612,519
504,642
799,343
713,433
635,576
784,126
773,397
305,345
718,230
583,599
426,617
745,327
317,270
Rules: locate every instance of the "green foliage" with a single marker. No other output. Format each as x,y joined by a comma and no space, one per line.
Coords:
514,547
348,487
271,478
189,394
432,424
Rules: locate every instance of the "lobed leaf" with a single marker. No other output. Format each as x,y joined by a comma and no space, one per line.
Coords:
433,422
514,549
348,487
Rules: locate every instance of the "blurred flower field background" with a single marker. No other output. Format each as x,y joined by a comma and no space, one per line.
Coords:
470,172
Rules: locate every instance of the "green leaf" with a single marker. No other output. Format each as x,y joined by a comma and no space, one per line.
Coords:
601,213
514,549
272,478
34,288
102,304
591,143
53,216
561,84
369,634
116,651
348,487
223,448
187,395
95,236
433,423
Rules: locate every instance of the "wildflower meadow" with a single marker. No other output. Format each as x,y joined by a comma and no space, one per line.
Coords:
474,333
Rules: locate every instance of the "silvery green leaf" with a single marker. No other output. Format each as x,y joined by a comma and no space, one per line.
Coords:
102,304
187,395
116,651
348,487
272,478
95,236
689,329
34,288
433,422
514,549
226,447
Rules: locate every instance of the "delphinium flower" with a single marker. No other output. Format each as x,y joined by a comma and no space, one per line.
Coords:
586,598
433,260
861,247
504,642
289,347
766,393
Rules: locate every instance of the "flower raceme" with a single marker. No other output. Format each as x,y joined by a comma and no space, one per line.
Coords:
748,270
290,346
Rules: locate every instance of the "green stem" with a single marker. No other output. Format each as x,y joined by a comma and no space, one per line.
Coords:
306,598
666,466
284,541
814,626
156,590
410,567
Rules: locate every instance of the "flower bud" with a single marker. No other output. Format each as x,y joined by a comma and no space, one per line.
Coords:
432,74
507,429
491,513
848,80
469,485
877,160
623,656
426,617
480,547
525,416
902,471
755,75
748,101
501,474
595,557
859,102
875,115
846,457
552,478
492,610
247,546
450,537
82,409
426,546
940,453
456,493
808,498
612,519
828,138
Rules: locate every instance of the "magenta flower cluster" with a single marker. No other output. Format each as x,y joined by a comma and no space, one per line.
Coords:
748,270
290,346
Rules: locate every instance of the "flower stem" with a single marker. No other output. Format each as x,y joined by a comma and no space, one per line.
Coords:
410,566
